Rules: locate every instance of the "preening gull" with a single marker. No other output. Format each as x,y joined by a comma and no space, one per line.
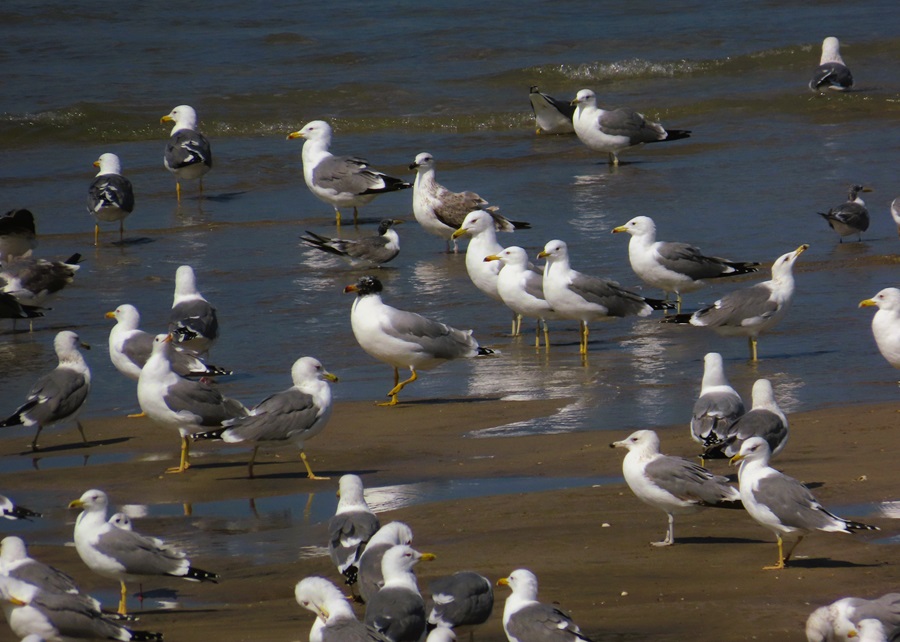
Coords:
462,599
351,528
335,620
831,73
59,395
371,578
782,504
340,181
11,510
851,217
895,213
397,611
404,339
673,267
846,614
193,322
751,311
17,234
527,620
174,402
886,323
188,155
574,295
718,404
31,281
111,195
551,116
367,251
291,416
674,485
123,554
614,130
765,419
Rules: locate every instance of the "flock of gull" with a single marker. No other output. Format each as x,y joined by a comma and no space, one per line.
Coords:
176,390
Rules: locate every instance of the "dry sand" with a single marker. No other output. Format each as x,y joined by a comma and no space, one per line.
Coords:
589,546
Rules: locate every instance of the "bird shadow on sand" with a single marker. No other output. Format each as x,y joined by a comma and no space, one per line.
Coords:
136,240
437,402
75,445
224,197
717,540
825,562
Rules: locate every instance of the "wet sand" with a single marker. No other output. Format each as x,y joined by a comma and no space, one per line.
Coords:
709,586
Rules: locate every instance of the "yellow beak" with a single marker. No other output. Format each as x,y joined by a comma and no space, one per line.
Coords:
491,257
542,255
458,233
621,228
867,303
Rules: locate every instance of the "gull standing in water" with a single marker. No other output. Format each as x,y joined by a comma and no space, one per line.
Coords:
886,323
110,196
851,217
17,234
368,251
718,405
527,620
551,116
831,73
188,155
193,322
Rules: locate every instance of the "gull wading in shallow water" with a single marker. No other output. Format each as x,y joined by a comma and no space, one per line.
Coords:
188,155
110,196
340,181
404,339
831,73
851,217
551,116
527,620
368,251
193,322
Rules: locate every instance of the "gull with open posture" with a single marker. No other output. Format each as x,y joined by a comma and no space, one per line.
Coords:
525,619
831,73
111,195
886,323
851,217
188,155
367,251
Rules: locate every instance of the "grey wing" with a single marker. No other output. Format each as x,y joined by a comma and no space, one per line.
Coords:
373,249
59,393
452,207
276,418
434,338
735,308
791,502
398,613
543,623
76,616
193,318
690,482
687,259
44,577
137,347
831,73
617,301
345,175
713,412
187,147
464,598
39,275
140,555
111,190
205,402
852,214
371,578
624,122
756,423
348,534
350,630
534,284
885,609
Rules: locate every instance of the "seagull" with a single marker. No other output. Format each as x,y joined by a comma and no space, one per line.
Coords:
831,73
59,395
718,404
17,234
192,322
335,620
10,308
849,613
674,485
765,419
462,599
123,554
782,504
614,130
110,196
895,213
368,251
404,339
340,181
438,634
172,401
673,267
751,311
187,154
574,295
440,212
851,217
397,611
351,528
527,620
371,578
294,415
31,281
16,563
10,510
886,323
551,116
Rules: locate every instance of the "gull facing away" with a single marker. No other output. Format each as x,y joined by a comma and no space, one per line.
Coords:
351,528
441,212
551,116
751,311
835,621
782,504
397,611
527,620
615,130
59,395
718,405
193,322
831,73
174,402
674,485
851,217
17,234
10,510
340,181
335,620
886,323
295,415
367,251
584,298
110,196
371,579
895,213
465,598
673,267
124,554
404,339
188,155
765,419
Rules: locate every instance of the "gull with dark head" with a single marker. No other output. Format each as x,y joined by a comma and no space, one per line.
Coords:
366,251
851,217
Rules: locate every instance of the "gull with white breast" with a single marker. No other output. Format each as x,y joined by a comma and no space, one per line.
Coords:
525,619
188,154
886,323
851,217
397,611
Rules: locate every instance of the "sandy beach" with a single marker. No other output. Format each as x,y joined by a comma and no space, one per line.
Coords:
589,546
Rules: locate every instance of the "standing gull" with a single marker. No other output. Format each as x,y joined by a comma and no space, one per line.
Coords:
751,311
574,295
527,620
397,611
895,213
404,339
851,217
172,401
718,404
188,155
674,485
351,528
782,504
831,73
765,419
10,510
371,578
849,612
335,620
110,196
31,281
340,181
17,234
17,564
368,251
294,415
59,395
886,323
465,598
551,116
124,554
673,267
614,130
193,322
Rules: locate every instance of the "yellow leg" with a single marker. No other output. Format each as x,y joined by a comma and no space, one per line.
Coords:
781,559
137,415
398,387
123,606
537,335
309,472
178,190
584,337
337,217
96,234
252,459
677,303
753,353
185,456
546,335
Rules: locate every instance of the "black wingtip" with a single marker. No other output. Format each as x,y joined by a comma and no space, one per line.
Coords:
146,635
209,434
659,304
20,512
521,225
199,575
678,134
483,352
684,317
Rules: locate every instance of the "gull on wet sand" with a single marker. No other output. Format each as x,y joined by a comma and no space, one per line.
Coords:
188,155
464,598
764,419
718,405
193,322
886,323
831,73
397,611
110,195
851,217
335,620
551,116
17,234
525,619
351,528
371,578
366,251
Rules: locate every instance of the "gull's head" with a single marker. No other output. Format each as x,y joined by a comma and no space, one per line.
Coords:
108,163
784,264
162,343
763,395
310,369
394,533
67,343
638,226
522,582
423,161
476,222
854,190
831,51
312,593
121,521
127,315
554,250
512,255
91,500
645,441
350,491
386,224
401,559
313,130
183,116
754,449
585,97
185,281
12,549
365,285
887,299
16,592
